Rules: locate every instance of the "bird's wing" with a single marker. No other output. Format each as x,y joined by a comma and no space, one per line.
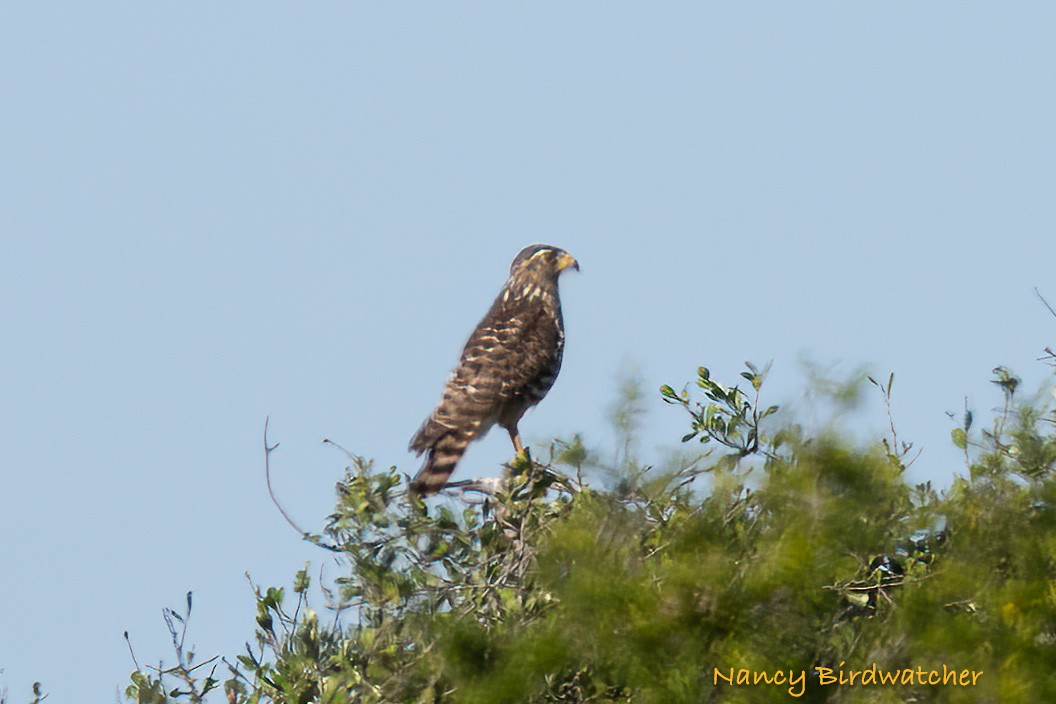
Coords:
499,359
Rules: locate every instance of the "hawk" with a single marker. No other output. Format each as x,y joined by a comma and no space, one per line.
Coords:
508,365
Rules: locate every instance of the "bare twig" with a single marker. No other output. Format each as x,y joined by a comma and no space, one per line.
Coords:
897,450
268,449
349,455
488,486
131,652
183,670
1046,303
1050,355
962,604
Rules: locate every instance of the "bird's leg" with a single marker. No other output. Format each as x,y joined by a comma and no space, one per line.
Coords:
516,437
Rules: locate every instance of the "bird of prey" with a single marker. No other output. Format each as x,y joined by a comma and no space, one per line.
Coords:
508,365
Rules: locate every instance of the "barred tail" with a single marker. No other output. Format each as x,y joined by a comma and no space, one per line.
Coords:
440,461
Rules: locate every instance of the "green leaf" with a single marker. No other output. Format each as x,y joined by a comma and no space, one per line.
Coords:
301,580
960,438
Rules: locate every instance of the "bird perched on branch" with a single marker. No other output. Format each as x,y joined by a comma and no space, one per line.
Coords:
508,365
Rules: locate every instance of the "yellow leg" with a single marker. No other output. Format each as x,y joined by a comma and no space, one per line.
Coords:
516,437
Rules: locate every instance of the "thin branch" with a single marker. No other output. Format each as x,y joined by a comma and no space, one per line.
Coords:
1042,299
268,449
183,634
349,455
485,485
202,664
236,673
131,652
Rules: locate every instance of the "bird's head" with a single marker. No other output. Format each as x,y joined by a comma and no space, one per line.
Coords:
542,261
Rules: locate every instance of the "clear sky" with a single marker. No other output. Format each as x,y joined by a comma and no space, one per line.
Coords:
213,212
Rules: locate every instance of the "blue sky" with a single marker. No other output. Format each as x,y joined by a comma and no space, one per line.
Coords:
216,212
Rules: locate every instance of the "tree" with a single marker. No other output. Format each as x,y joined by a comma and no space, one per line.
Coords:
775,563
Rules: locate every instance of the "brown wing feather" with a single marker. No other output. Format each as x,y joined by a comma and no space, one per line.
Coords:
507,365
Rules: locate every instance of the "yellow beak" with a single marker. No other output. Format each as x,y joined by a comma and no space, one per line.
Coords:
565,261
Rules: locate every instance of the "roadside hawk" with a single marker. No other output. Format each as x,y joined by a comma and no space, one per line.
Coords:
508,365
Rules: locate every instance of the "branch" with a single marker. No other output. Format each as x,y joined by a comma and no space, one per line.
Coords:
268,449
1042,299
132,652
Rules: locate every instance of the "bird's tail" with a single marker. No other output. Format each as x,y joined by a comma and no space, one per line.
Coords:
440,460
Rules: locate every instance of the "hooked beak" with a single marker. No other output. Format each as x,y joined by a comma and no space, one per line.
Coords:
565,261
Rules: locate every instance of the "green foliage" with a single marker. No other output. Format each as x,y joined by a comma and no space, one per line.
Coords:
192,686
772,552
